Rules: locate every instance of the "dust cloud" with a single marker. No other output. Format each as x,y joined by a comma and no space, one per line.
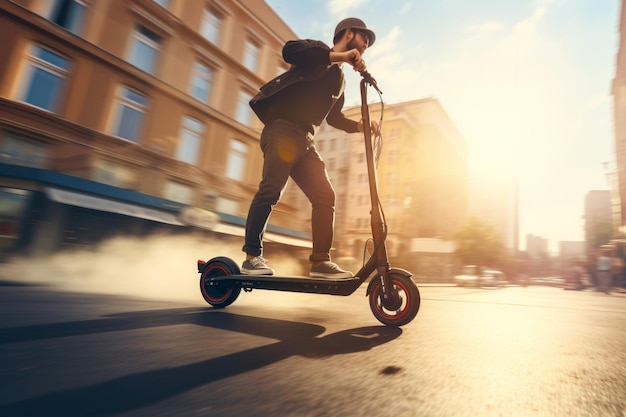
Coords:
158,266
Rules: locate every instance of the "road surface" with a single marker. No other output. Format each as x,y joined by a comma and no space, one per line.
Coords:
534,351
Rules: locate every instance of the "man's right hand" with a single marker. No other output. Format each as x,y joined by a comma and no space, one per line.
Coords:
352,57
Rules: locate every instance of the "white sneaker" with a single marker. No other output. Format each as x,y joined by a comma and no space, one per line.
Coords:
256,266
328,269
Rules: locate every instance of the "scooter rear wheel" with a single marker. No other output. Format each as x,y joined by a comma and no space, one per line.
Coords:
401,307
219,296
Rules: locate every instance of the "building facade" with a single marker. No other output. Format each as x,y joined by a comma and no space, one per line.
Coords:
422,179
133,115
619,108
572,251
536,246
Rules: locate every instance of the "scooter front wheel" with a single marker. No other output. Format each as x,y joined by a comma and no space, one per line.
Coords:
403,304
219,296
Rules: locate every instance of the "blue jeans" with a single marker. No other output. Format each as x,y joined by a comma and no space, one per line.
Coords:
288,151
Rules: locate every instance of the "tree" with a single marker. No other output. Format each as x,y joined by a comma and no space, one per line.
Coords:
478,244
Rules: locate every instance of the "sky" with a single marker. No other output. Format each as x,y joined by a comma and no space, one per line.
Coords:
526,82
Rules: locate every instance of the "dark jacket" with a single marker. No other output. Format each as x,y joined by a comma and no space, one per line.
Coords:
310,62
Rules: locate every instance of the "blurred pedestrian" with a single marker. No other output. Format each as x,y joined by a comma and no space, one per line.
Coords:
603,272
617,272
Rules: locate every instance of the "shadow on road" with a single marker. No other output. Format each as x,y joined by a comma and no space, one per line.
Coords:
145,388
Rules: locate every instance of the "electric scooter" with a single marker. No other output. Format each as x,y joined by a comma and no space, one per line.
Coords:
393,295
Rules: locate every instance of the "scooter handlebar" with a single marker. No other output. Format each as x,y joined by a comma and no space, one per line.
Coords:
370,80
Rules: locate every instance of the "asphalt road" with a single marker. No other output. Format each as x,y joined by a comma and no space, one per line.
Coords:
535,351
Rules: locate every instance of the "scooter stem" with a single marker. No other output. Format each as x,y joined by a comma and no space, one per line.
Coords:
379,228
370,80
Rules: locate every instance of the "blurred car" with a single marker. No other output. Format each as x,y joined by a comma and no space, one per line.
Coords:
492,278
470,277
577,279
581,283
548,281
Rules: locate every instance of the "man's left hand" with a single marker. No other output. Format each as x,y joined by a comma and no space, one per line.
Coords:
375,129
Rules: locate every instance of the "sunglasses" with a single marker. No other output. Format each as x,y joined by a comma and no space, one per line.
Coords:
365,36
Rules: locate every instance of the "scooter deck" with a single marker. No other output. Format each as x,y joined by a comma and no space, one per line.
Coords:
342,286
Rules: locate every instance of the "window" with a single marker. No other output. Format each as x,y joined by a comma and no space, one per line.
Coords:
237,156
190,138
131,107
162,3
44,78
144,49
201,82
394,155
251,55
14,202
69,14
17,150
244,112
211,26
362,223
281,69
